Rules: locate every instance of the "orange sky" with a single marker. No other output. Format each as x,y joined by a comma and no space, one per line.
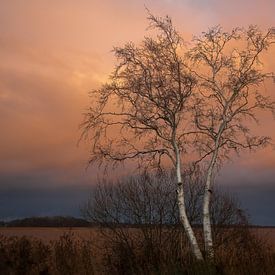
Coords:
53,52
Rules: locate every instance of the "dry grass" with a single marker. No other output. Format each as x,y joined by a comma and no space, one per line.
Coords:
94,251
47,234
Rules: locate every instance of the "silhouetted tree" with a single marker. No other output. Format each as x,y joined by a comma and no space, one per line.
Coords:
229,74
142,113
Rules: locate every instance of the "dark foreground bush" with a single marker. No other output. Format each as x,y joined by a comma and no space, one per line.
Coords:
68,255
73,256
153,242
23,256
238,252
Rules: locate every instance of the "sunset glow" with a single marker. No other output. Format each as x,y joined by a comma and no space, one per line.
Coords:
54,52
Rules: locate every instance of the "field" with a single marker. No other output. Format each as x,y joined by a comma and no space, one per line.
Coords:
53,233
47,234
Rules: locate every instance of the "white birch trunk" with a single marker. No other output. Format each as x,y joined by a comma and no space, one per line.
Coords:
207,228
182,210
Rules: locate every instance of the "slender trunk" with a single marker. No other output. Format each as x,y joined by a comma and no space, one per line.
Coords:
207,230
182,210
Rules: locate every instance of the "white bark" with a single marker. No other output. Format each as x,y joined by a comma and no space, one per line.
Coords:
182,210
207,228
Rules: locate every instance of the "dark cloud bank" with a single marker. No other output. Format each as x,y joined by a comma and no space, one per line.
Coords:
22,196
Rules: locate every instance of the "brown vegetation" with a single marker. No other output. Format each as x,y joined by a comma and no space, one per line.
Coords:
67,255
239,252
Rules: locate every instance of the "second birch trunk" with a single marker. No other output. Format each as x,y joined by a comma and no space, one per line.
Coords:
207,229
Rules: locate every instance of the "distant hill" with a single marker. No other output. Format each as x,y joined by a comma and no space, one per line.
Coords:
56,221
67,221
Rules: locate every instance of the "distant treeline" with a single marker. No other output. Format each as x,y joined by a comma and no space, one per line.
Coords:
67,221
56,221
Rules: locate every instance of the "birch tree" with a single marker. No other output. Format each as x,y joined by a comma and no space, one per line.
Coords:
230,94
142,112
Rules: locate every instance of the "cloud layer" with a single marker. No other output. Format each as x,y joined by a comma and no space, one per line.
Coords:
53,53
